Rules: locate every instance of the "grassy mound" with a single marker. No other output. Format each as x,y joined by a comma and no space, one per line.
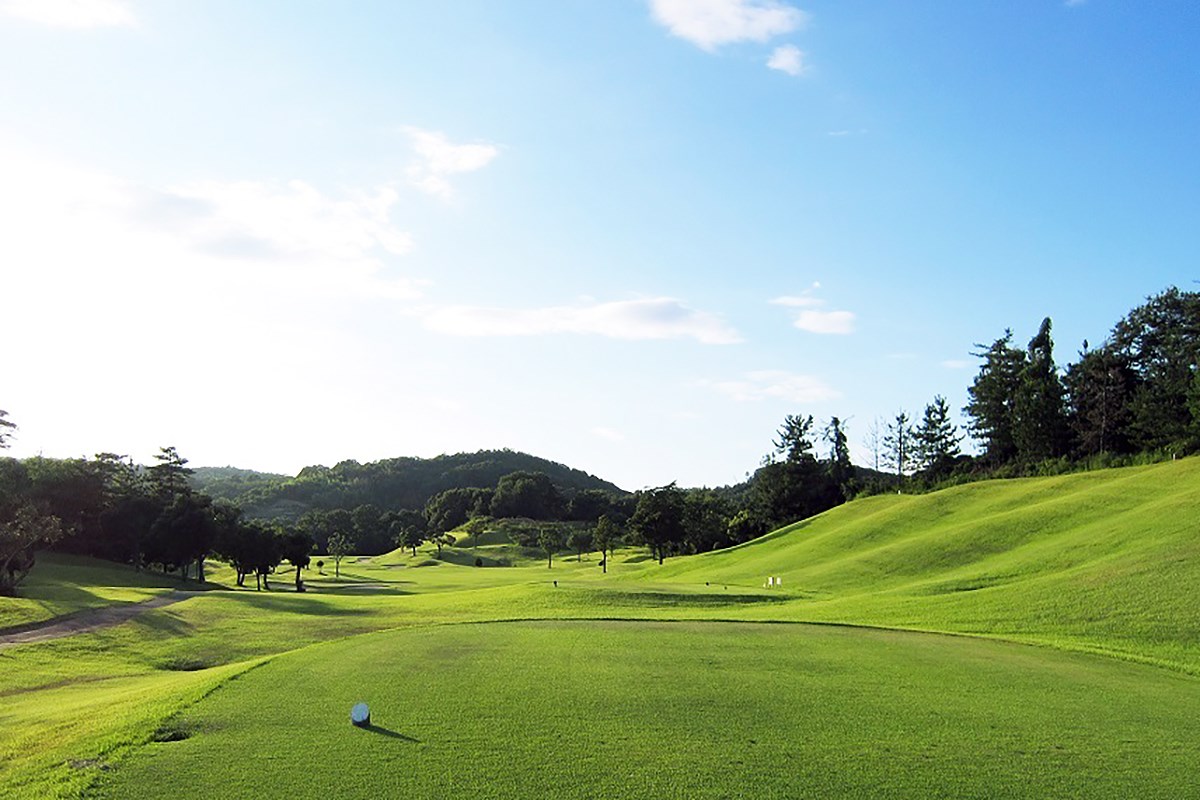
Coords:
1103,560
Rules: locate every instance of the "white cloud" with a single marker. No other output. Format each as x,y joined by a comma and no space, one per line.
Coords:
777,385
438,159
609,434
72,13
825,322
956,363
787,58
801,301
653,318
293,219
708,24
811,318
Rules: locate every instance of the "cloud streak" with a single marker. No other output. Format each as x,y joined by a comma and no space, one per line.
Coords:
634,320
709,24
438,159
812,318
72,13
776,385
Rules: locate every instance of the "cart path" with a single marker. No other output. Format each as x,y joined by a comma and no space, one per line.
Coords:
87,621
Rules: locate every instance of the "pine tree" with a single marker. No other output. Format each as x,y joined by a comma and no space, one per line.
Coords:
993,397
1040,421
936,439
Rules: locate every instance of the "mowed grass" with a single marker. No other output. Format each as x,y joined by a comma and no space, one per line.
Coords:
63,584
1107,561
688,710
1104,562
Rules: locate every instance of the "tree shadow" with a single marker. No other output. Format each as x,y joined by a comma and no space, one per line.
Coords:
389,733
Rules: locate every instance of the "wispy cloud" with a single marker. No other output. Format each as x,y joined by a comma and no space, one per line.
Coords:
787,58
255,218
708,24
812,318
72,13
438,159
840,133
956,363
133,241
776,385
653,318
608,434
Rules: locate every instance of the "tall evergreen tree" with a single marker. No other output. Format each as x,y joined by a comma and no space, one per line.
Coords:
936,439
1040,428
993,396
841,470
1099,393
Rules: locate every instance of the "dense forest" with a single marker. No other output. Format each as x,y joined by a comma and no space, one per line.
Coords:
1134,396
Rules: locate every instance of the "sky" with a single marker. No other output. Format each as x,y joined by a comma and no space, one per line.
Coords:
630,236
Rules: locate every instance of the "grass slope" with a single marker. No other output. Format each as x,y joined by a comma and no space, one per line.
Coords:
1103,561
1106,561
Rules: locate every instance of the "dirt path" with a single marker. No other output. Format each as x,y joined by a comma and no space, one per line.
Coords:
87,621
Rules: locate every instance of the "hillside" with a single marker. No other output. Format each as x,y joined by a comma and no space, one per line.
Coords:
390,484
1105,561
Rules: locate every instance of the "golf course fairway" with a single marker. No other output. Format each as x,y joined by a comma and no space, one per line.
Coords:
688,709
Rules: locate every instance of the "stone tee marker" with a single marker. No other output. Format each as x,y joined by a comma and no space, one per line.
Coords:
360,715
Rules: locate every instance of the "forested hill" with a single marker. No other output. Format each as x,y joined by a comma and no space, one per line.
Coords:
391,484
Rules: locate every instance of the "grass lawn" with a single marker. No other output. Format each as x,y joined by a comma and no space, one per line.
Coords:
620,709
653,681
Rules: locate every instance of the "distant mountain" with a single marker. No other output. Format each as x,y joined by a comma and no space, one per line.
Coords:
391,484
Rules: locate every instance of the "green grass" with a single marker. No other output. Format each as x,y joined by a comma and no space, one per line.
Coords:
62,584
688,710
1103,562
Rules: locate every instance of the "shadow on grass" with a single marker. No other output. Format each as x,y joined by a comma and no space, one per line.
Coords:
296,604
669,599
389,733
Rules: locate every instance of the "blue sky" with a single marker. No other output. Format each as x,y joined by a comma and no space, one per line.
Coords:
628,235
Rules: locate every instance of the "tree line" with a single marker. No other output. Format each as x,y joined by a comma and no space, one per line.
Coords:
150,517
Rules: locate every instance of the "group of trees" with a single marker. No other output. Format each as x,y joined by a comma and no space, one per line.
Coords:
147,517
1138,392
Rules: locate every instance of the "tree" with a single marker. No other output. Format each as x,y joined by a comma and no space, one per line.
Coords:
993,397
527,494
371,532
447,510
182,534
7,427
840,469
297,548
794,439
898,446
550,540
706,517
580,540
1100,389
21,529
339,548
658,519
936,439
1039,417
169,477
408,529
442,540
1160,339
604,537
874,442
